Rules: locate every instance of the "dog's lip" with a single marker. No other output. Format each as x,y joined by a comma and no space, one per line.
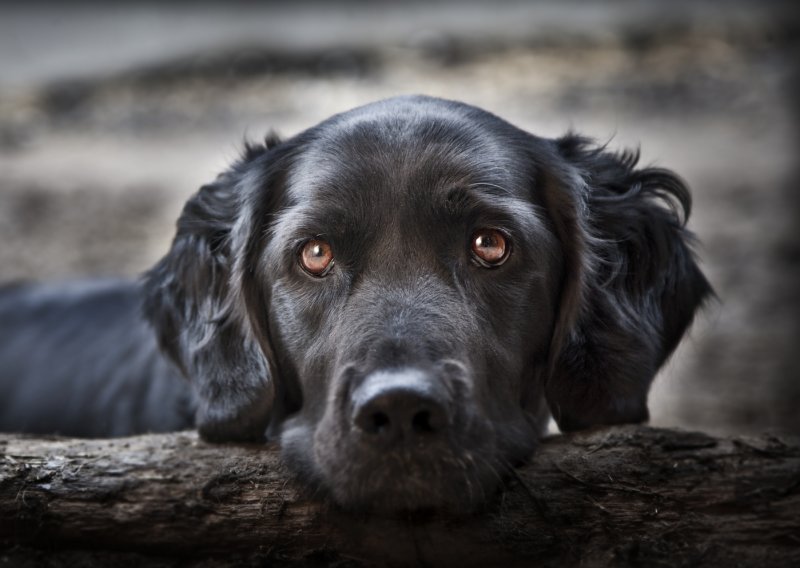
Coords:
461,486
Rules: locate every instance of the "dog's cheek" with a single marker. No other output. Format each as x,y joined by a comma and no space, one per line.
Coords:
513,340
303,317
292,317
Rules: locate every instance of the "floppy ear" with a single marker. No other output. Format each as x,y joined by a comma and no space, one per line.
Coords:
192,301
631,284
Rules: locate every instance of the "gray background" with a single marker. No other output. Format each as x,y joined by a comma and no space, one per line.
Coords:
112,115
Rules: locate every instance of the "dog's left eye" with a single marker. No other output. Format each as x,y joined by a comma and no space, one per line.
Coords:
490,247
316,257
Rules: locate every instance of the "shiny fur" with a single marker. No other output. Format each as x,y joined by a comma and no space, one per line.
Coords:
598,289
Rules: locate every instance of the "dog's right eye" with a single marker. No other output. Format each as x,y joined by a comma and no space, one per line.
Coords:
316,257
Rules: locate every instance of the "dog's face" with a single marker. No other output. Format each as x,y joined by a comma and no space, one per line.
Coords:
410,283
399,291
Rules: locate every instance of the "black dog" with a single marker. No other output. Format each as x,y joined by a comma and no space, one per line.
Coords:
399,293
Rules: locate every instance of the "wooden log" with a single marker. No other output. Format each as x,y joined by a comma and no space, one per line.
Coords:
623,496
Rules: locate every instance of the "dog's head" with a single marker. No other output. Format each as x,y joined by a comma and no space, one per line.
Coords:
402,291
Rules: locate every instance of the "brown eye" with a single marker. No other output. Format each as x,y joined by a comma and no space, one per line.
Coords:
316,257
490,247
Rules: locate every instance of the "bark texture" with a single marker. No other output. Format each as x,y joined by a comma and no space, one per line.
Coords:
624,496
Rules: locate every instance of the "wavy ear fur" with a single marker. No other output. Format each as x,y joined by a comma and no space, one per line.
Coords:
631,287
192,302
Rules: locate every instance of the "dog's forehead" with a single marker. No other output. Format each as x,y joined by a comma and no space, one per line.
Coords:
397,149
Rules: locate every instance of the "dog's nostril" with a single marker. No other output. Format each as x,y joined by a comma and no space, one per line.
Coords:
421,422
397,419
380,422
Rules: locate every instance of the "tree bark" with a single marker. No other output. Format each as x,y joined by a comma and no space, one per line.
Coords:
633,496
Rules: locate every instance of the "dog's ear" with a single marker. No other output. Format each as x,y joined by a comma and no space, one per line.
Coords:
631,284
192,301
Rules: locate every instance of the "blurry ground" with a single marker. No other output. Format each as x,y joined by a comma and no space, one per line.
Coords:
110,117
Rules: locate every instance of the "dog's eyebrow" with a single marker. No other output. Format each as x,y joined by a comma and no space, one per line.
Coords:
482,195
491,186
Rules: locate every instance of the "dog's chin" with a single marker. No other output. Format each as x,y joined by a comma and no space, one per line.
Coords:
397,487
398,484
392,482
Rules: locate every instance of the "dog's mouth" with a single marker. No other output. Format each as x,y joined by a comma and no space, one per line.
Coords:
454,475
457,474
413,479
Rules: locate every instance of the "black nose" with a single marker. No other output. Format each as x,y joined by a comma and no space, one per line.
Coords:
397,405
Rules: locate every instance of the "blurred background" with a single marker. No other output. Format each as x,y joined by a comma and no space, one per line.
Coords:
112,115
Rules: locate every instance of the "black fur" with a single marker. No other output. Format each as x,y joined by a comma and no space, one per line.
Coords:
78,359
411,374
